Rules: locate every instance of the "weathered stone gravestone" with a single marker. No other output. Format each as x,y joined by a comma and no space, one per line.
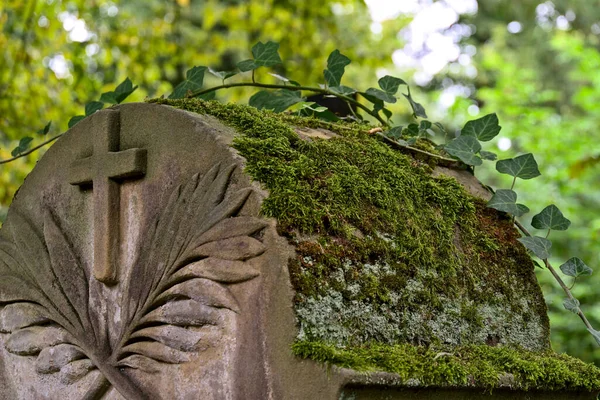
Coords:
164,254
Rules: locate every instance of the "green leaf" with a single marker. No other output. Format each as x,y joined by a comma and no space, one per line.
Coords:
24,144
595,334
377,103
222,74
194,78
424,125
572,305
310,105
418,110
92,107
538,245
551,218
506,200
381,95
411,141
412,130
74,120
390,84
387,113
523,167
45,129
247,65
488,155
466,149
484,129
345,90
277,101
575,267
122,91
336,63
265,54
394,132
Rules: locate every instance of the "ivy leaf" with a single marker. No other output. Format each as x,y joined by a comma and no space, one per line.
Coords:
336,63
24,144
92,107
45,129
208,95
265,54
377,103
278,101
312,106
390,84
247,65
387,113
418,110
381,95
524,167
575,267
538,245
74,120
344,90
572,305
222,74
122,91
506,200
466,149
412,130
551,218
484,128
488,155
394,132
424,125
441,127
194,78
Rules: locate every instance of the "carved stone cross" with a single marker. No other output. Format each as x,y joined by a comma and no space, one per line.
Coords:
102,170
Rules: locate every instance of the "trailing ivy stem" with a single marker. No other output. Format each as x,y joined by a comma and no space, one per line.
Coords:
562,284
253,81
548,234
513,183
25,153
348,99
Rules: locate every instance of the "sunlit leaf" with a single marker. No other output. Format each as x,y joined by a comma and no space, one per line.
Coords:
538,245
466,149
484,128
551,218
575,267
194,79
524,167
266,54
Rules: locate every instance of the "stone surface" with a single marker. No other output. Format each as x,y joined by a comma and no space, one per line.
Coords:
135,263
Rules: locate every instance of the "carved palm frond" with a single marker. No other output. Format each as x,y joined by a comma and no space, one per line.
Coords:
176,292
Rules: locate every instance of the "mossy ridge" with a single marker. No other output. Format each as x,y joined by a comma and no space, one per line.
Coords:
428,257
473,365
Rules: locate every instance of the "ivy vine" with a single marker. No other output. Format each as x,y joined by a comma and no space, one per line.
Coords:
466,147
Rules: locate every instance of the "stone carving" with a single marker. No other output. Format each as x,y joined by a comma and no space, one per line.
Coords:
177,288
102,170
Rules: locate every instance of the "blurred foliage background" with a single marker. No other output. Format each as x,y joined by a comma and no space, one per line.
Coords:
534,63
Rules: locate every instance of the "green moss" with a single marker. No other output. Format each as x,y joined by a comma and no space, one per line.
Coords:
474,365
386,253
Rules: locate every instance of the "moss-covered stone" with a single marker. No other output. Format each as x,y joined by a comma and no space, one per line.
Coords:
389,257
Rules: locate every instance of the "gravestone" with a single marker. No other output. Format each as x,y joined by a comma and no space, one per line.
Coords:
192,250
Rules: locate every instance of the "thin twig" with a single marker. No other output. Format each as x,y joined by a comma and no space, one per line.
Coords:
562,284
25,153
